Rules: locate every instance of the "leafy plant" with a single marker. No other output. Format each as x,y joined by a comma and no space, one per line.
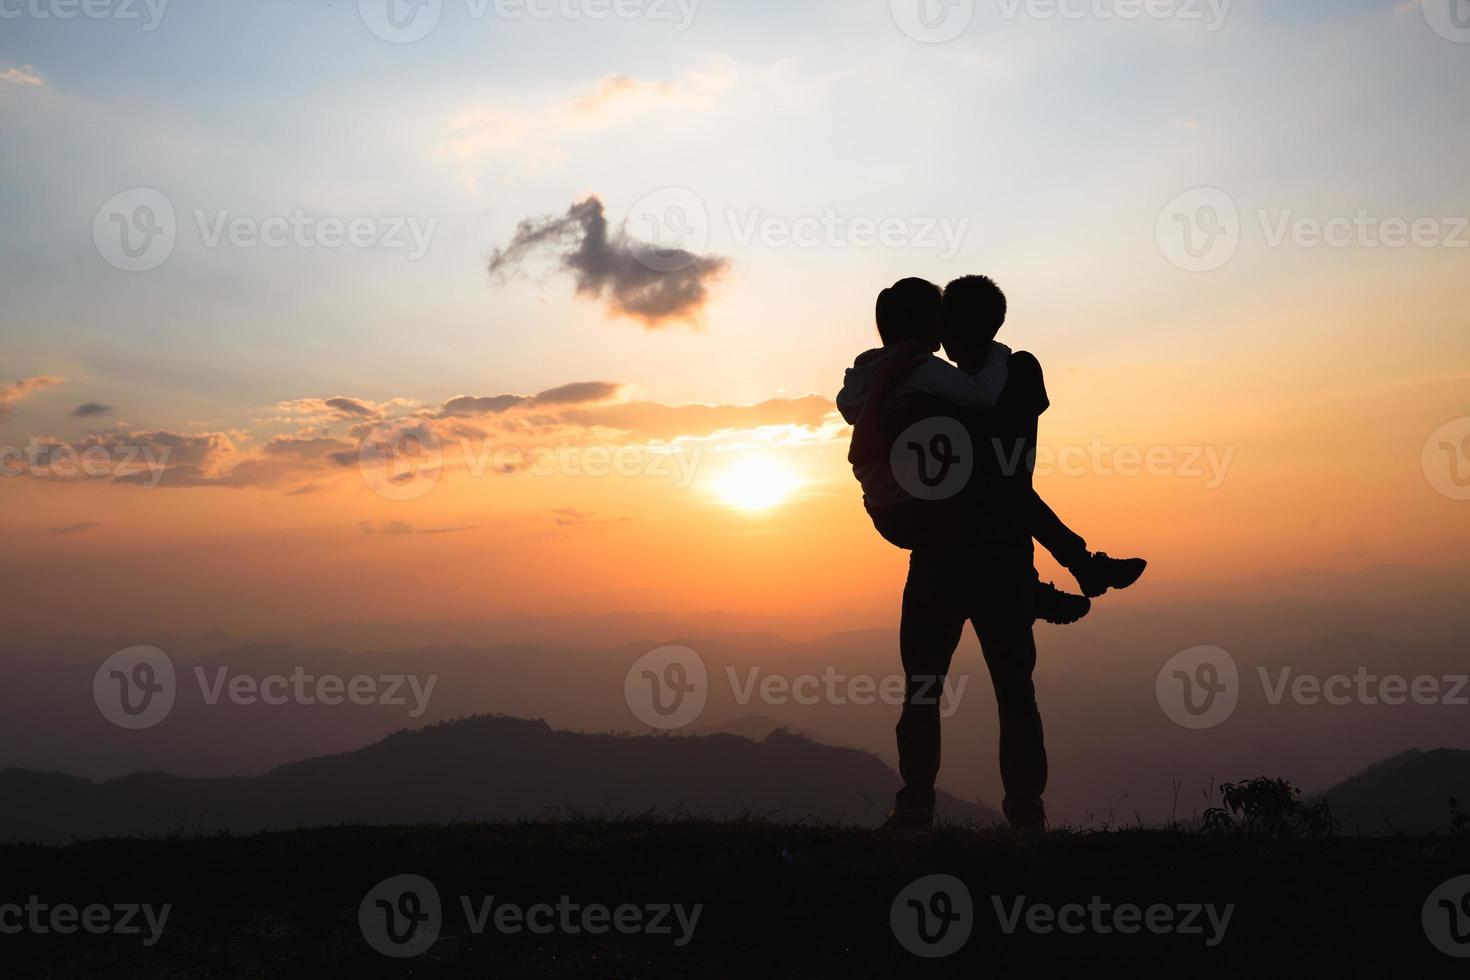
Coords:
1271,808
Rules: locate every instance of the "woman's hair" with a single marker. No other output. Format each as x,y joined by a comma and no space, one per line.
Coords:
910,309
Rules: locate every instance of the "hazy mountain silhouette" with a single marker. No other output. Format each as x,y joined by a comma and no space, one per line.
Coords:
1408,793
1113,750
476,769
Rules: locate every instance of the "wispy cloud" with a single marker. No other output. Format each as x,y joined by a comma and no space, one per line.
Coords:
78,528
23,389
401,528
26,77
536,129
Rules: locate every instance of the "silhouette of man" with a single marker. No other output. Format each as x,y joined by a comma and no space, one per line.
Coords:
986,577
972,555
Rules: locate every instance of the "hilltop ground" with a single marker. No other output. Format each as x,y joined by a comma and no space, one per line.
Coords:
778,901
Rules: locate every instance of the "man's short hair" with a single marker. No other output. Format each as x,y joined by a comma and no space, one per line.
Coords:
910,309
974,305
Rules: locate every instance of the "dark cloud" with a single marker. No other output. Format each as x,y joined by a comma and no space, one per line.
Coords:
466,406
578,393
91,410
352,407
78,528
400,528
635,280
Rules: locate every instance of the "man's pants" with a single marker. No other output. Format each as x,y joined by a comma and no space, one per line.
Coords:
995,593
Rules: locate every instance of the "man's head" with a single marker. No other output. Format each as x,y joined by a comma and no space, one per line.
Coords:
911,309
974,311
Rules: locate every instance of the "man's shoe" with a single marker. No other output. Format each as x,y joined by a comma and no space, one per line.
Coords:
1097,573
908,820
1060,608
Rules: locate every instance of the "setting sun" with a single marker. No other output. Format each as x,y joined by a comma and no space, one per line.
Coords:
755,483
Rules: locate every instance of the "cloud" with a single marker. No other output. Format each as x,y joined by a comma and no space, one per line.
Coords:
23,389
486,436
665,423
466,406
26,77
78,528
576,393
576,517
537,130
338,409
614,268
401,528
91,410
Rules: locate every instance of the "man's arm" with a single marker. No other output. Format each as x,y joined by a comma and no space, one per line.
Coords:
976,391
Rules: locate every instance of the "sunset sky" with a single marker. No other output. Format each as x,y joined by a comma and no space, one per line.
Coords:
1283,411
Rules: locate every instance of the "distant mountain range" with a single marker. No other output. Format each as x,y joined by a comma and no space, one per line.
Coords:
477,769
1407,794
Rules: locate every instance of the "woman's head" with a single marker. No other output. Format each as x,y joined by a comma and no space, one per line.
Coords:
911,310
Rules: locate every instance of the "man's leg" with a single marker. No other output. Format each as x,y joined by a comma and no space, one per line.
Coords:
1003,624
933,620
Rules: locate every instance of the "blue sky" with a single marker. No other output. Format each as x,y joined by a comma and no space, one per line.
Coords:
1056,141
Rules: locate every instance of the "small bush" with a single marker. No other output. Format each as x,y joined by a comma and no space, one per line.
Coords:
1270,808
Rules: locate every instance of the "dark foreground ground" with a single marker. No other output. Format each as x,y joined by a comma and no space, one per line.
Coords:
776,902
